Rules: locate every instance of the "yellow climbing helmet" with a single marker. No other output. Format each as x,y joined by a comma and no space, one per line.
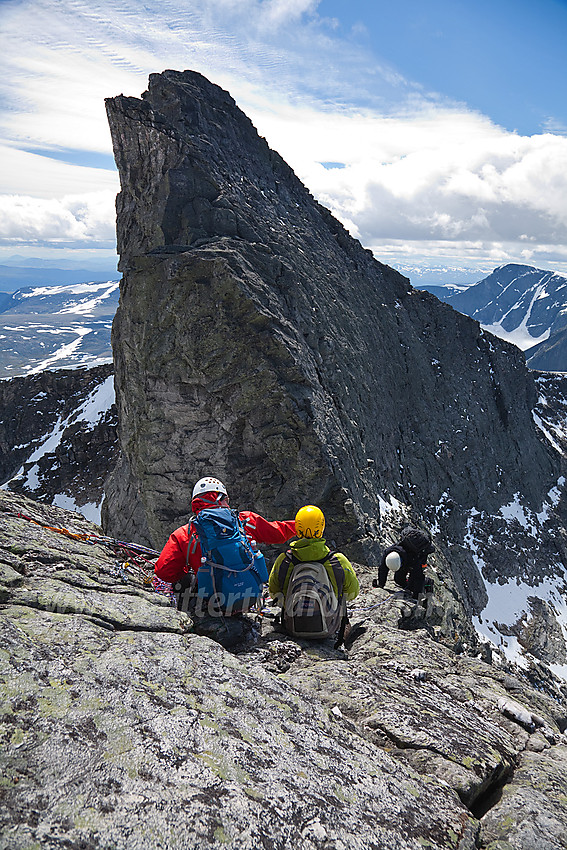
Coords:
309,522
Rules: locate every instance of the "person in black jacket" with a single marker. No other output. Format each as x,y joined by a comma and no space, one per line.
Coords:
408,560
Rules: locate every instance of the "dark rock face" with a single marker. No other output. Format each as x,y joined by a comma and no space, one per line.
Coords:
122,728
256,340
549,355
44,408
542,634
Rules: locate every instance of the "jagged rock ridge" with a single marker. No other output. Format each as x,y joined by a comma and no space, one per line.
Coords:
257,340
58,436
120,728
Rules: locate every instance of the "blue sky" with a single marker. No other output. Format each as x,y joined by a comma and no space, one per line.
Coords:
437,132
504,58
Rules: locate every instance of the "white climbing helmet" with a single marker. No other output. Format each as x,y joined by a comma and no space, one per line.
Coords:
208,485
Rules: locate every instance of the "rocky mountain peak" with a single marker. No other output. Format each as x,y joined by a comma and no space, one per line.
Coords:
206,173
297,368
521,304
256,340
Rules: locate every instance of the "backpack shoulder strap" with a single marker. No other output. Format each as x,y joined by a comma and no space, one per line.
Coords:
236,516
288,559
338,572
191,541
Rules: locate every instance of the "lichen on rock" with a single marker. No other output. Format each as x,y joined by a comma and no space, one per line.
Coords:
121,728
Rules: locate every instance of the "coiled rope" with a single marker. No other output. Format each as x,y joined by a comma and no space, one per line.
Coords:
139,558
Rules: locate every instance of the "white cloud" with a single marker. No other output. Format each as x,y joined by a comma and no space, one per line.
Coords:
88,218
278,12
440,176
60,61
29,173
422,178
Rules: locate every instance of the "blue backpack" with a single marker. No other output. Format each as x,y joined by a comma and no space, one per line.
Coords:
232,573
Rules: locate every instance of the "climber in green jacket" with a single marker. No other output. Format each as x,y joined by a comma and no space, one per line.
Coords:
311,583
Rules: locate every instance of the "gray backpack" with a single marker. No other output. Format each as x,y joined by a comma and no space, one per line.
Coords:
311,607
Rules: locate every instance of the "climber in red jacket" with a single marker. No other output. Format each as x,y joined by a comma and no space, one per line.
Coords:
182,551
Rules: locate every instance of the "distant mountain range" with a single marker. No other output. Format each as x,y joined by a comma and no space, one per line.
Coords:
14,277
56,327
522,304
68,325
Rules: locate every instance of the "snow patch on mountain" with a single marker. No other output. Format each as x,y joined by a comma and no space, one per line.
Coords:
57,327
511,601
90,510
546,430
520,304
88,306
550,412
392,505
88,414
510,604
80,289
515,510
521,336
65,353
